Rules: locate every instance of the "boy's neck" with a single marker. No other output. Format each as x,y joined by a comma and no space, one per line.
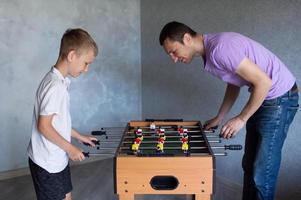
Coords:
62,66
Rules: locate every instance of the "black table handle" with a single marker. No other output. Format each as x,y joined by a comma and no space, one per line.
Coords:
98,132
233,147
96,142
86,154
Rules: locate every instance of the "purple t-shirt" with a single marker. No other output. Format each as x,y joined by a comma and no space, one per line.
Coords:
225,51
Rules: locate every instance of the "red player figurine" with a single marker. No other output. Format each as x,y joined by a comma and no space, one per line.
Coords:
161,140
160,131
138,140
181,130
184,139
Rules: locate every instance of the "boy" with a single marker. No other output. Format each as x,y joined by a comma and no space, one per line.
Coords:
50,146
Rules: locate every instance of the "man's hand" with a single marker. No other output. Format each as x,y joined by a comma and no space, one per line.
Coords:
75,153
87,139
231,128
212,123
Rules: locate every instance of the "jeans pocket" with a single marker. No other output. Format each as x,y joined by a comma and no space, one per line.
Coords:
273,103
291,112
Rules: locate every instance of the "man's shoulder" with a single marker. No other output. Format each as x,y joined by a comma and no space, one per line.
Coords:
221,43
224,38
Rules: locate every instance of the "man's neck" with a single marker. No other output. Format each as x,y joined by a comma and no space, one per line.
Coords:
199,45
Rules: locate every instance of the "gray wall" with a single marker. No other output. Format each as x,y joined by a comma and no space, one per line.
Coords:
186,91
108,95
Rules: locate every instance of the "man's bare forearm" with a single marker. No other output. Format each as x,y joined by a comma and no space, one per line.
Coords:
230,97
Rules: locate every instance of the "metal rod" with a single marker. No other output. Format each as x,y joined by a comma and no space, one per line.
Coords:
154,132
209,131
109,141
164,126
212,136
107,148
172,136
214,141
108,134
115,137
220,154
116,127
101,154
154,148
166,141
217,147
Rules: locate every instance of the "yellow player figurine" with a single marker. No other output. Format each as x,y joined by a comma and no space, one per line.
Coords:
136,144
135,147
160,147
185,147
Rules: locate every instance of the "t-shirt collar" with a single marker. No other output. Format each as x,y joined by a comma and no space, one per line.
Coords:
205,36
66,80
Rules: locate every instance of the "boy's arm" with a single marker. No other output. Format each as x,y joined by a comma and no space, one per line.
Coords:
46,129
83,138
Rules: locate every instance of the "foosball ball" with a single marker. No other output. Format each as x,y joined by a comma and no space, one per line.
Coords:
164,157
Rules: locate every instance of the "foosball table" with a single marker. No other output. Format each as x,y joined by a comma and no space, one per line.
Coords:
166,157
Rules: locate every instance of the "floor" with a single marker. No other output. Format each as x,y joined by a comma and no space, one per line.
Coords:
94,181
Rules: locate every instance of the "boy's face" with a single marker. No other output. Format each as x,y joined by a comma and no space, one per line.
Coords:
79,63
178,51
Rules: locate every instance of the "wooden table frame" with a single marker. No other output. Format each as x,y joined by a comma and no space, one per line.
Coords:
194,173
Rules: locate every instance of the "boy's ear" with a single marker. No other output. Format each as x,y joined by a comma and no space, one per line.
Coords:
71,55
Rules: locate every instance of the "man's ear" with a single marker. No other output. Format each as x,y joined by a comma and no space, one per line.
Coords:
71,55
187,39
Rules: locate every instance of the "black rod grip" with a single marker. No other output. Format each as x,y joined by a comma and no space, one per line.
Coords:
211,130
86,154
98,132
96,142
233,147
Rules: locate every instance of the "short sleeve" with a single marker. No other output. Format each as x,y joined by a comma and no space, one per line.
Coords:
229,55
51,100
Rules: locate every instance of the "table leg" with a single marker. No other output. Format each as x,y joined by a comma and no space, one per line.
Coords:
201,197
126,197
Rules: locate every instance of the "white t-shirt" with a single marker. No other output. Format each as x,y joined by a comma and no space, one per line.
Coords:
52,97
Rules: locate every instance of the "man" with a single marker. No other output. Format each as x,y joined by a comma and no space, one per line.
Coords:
273,102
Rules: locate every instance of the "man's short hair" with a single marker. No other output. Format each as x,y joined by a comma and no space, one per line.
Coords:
175,31
78,40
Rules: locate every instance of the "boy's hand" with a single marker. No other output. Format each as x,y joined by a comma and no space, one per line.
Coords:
88,140
75,153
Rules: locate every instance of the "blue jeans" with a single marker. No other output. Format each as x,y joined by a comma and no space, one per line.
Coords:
266,132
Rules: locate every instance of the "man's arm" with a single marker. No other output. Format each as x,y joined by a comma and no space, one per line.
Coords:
230,97
45,127
261,83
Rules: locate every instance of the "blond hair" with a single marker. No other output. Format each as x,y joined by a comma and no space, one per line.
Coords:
78,40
